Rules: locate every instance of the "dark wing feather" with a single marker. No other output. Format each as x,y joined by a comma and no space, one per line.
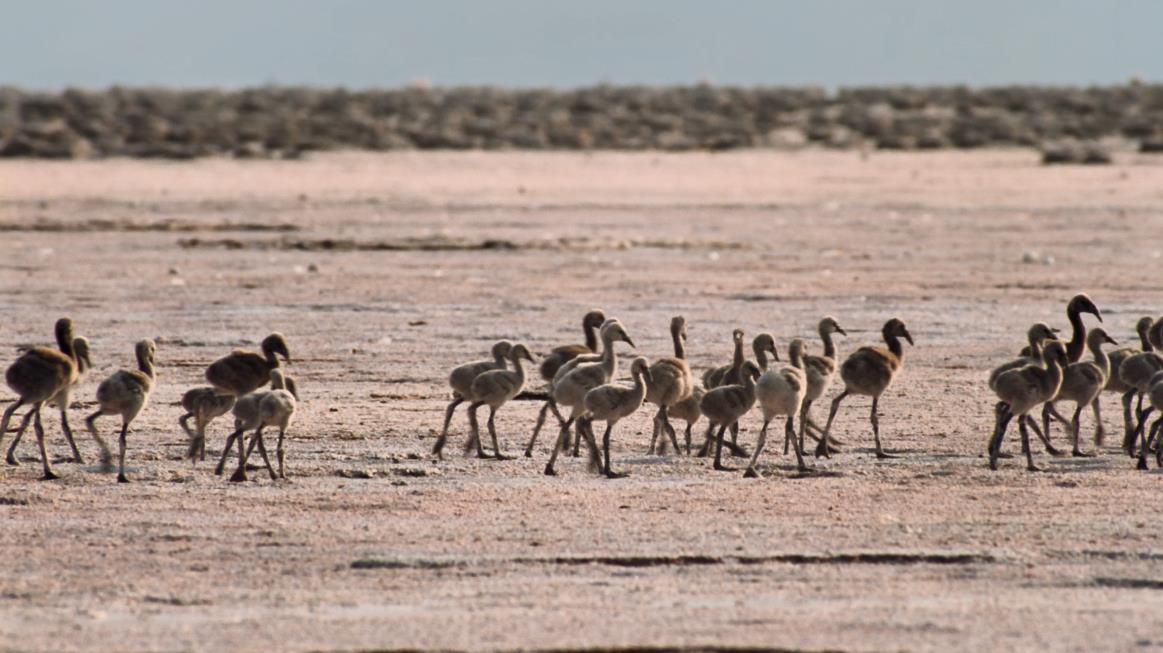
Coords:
241,372
558,357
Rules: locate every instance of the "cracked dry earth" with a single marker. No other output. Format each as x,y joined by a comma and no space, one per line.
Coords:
386,270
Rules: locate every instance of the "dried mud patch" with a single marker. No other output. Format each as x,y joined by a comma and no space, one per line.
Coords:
16,501
449,244
856,558
1130,583
99,225
176,601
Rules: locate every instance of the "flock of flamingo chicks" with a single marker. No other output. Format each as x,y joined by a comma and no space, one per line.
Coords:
1048,371
43,375
581,390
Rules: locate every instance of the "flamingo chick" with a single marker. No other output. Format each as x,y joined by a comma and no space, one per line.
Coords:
724,405
495,388
36,377
781,391
204,404
870,371
1082,383
61,401
258,410
570,390
611,402
559,358
125,393
242,372
461,378
670,383
1020,391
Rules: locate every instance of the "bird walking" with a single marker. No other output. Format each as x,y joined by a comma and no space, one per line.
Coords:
461,379
494,389
1135,374
670,382
1082,382
39,375
61,401
688,410
870,371
612,402
258,410
559,358
570,390
732,374
242,372
1020,391
819,370
724,405
125,393
1114,382
1037,335
204,404
1155,398
781,391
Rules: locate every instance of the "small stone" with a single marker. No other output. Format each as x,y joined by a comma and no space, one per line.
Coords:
416,472
356,473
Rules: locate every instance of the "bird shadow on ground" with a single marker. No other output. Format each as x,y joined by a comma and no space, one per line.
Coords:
906,454
791,472
90,468
1069,464
815,473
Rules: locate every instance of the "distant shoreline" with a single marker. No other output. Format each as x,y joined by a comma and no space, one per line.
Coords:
285,122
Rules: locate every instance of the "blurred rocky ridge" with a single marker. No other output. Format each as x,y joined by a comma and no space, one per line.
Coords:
279,122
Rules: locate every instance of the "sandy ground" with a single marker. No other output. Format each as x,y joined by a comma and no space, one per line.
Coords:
371,544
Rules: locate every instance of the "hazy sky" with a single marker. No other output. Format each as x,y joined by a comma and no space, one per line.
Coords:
365,43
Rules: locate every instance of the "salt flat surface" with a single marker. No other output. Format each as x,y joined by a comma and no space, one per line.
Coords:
376,268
